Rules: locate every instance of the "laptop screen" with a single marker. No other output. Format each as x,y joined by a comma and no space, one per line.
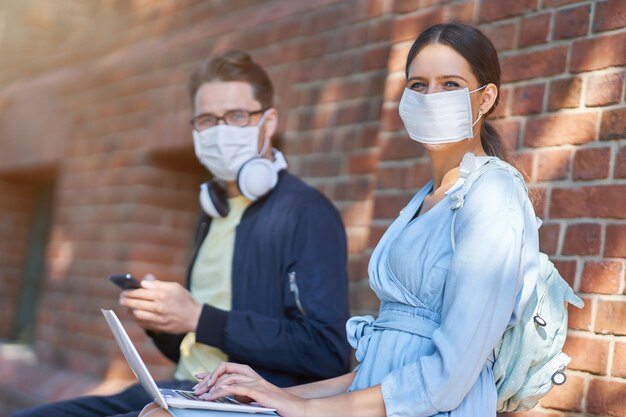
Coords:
133,358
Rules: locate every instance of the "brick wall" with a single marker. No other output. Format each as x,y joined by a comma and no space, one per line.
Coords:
95,97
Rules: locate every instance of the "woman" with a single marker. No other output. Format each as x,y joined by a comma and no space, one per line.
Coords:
430,351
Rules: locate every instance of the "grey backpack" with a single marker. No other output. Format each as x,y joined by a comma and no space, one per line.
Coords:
528,358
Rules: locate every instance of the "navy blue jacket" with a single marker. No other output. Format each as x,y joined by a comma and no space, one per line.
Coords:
289,289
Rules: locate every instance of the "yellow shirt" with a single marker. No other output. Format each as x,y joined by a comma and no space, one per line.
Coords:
211,284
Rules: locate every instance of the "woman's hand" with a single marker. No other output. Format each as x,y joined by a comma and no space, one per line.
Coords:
216,378
246,385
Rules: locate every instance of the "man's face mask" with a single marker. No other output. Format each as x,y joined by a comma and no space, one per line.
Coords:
438,118
223,149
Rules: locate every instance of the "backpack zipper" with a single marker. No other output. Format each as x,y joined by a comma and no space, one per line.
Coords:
293,287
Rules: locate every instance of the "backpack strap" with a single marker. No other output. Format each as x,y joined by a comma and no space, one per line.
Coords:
470,170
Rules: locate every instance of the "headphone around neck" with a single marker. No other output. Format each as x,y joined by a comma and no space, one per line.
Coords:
257,177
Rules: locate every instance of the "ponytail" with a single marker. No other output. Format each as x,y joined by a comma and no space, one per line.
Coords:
492,142
494,146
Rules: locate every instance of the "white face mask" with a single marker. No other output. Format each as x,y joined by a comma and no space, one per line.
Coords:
223,149
438,118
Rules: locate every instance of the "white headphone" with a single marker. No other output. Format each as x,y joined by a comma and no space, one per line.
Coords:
257,177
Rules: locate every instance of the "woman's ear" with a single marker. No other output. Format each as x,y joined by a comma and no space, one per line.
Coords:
490,94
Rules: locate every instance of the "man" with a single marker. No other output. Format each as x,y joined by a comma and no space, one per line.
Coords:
267,285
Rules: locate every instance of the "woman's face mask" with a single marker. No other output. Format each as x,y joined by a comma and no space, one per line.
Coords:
438,118
223,149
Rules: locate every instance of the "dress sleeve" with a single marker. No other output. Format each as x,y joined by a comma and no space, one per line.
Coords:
482,284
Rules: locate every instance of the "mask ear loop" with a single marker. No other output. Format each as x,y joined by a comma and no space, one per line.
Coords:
480,110
264,147
266,139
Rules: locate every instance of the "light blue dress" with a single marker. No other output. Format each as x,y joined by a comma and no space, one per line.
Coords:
443,311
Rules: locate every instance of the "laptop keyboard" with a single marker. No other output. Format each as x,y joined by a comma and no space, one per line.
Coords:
191,396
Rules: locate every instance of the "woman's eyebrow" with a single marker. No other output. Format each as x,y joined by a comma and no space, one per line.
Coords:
417,77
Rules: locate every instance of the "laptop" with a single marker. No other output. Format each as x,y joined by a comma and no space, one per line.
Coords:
170,397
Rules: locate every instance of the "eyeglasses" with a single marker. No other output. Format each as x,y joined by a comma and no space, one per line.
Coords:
237,117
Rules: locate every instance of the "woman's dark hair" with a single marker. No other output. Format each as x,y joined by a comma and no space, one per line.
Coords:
233,65
480,53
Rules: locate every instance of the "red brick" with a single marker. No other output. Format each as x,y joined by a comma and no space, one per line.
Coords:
619,360
572,22
528,99
362,295
375,58
598,53
607,398
509,131
602,277
337,90
593,201
362,163
564,93
408,27
358,238
534,30
609,14
379,31
538,198
582,239
553,3
610,317
604,89
394,87
355,189
322,166
399,148
561,129
376,232
501,107
566,397
620,163
391,121
501,35
353,113
534,64
462,11
523,161
580,318
615,241
567,269
613,124
579,349
553,164
491,10
592,163
549,238
388,206
357,269
394,177
404,6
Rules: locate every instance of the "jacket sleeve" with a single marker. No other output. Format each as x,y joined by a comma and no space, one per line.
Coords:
482,285
168,344
314,343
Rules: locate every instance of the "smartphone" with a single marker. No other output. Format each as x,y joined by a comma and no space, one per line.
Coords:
125,281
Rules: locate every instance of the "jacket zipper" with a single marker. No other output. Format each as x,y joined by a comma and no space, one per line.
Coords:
293,286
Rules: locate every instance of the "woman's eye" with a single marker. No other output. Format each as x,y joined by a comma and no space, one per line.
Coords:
418,85
451,84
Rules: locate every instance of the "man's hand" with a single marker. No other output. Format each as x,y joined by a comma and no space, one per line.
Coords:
163,307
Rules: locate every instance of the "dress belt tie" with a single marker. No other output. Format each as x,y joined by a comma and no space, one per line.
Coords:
392,316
